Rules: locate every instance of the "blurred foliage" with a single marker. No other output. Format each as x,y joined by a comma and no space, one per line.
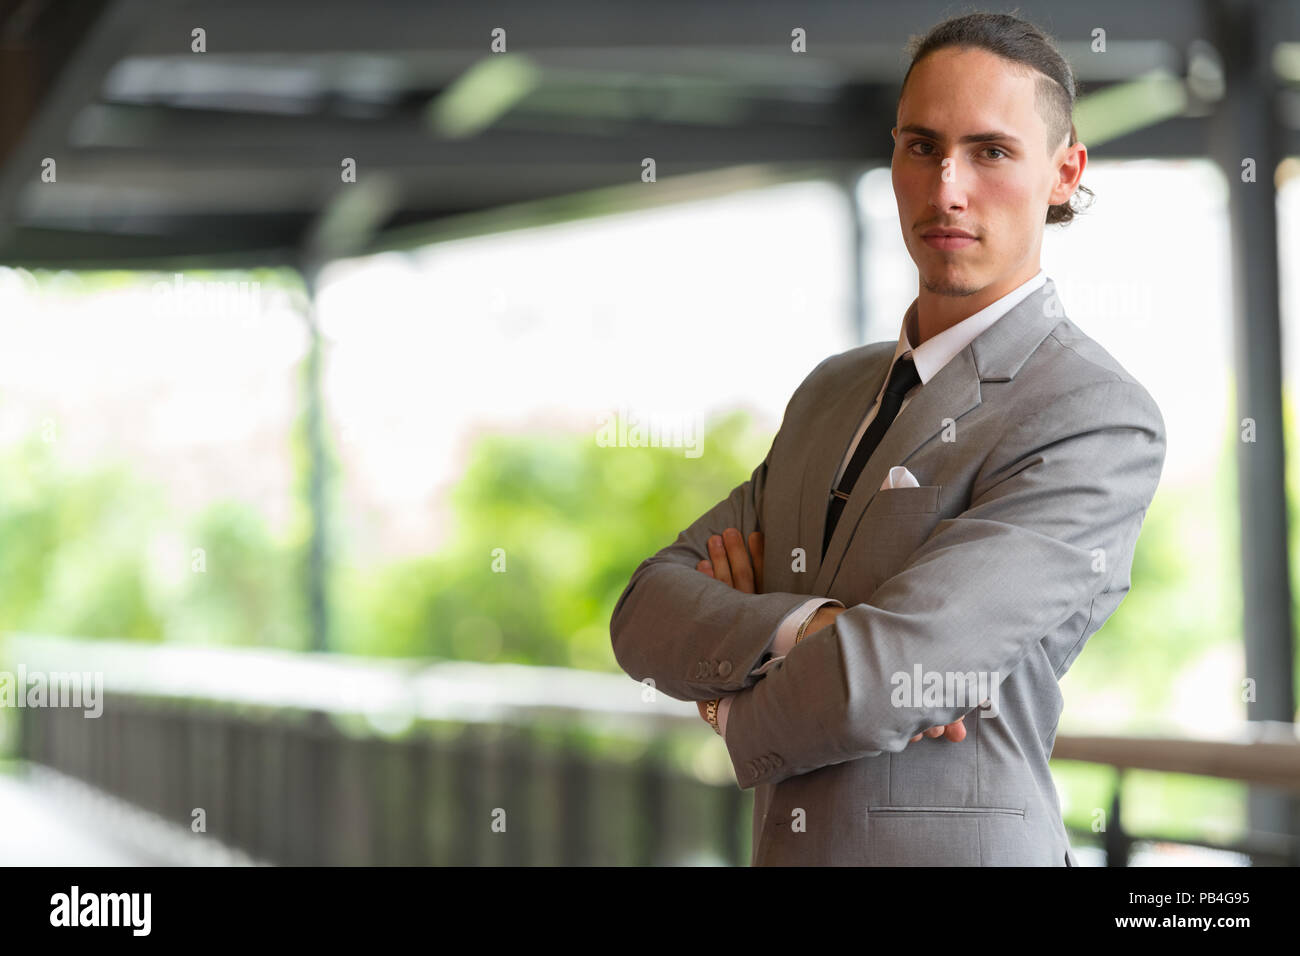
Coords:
94,555
573,519
249,591
70,558
98,554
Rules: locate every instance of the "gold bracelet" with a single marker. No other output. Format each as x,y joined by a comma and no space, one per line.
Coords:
799,634
711,714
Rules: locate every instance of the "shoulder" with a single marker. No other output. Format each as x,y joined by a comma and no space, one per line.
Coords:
1077,353
835,373
1071,371
852,364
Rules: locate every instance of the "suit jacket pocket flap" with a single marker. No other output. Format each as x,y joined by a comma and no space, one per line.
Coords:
903,501
1014,811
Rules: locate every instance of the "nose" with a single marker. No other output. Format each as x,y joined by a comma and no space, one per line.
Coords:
948,191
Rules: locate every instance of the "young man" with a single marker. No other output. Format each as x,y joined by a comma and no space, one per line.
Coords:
959,509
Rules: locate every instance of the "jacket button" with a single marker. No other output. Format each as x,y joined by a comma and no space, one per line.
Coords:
724,668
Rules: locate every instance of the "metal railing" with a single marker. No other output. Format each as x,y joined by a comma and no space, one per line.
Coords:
322,759
1267,755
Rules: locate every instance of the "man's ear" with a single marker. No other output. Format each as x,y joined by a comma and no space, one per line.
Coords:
1070,172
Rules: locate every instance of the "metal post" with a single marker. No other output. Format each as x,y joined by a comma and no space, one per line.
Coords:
1246,127
317,566
1116,843
858,251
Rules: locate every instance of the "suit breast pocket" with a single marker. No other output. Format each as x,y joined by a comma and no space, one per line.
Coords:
903,501
895,524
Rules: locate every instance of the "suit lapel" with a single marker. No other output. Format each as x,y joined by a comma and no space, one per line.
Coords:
833,429
996,354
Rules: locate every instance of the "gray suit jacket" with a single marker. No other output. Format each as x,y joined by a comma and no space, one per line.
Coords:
1037,456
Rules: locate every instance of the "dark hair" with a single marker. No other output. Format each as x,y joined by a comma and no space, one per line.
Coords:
1017,41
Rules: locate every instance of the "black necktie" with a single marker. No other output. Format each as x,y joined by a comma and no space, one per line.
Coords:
901,379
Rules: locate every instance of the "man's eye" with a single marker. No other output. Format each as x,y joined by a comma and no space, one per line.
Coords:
915,145
994,149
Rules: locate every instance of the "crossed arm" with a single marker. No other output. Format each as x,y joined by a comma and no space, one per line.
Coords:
1065,488
731,564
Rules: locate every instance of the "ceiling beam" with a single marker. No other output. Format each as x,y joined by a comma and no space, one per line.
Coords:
104,44
316,26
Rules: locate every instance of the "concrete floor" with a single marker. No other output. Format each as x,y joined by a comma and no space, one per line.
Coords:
36,832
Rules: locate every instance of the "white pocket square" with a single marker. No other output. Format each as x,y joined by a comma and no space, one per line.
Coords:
899,477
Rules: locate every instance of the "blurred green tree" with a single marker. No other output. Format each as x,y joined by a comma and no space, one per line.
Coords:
573,519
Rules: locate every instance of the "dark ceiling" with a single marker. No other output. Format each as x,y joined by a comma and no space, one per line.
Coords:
233,156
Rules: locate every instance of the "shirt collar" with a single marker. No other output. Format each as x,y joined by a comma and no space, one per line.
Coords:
936,352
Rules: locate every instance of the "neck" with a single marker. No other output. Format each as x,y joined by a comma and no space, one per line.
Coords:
936,312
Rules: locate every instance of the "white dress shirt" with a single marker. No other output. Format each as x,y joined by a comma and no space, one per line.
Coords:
929,357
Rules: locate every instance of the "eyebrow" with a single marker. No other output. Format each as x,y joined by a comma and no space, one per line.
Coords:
991,136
